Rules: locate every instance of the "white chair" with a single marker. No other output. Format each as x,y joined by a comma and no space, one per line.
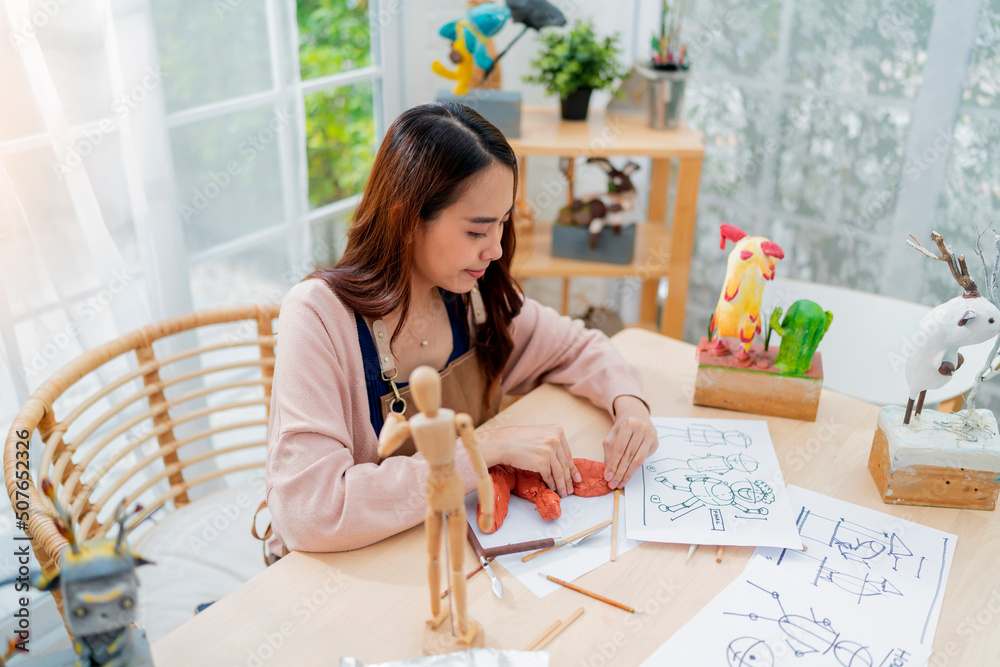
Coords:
864,352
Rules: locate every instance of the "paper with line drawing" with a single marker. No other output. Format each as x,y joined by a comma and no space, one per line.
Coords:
711,481
767,618
878,563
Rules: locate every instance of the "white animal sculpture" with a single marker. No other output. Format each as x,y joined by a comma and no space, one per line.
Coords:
965,320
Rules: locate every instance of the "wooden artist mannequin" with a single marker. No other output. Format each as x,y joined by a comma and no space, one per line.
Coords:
433,431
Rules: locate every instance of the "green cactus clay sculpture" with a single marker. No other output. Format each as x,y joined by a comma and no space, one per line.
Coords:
801,330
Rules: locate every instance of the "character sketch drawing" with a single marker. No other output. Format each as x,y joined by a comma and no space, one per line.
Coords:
701,482
805,635
704,435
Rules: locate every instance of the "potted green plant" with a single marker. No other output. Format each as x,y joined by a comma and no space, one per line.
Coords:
667,71
574,64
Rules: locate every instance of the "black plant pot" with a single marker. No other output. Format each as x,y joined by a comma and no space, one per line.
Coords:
574,105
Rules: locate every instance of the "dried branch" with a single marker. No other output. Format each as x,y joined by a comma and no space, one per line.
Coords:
991,276
959,270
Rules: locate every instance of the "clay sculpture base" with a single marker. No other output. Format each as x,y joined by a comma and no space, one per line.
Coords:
931,462
755,386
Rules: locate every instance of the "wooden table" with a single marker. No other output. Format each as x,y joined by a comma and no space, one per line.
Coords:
310,609
660,251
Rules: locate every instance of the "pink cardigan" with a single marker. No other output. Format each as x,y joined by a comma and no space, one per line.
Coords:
326,489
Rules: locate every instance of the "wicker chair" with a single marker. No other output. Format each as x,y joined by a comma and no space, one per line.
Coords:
69,461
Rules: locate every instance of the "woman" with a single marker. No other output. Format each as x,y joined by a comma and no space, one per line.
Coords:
425,280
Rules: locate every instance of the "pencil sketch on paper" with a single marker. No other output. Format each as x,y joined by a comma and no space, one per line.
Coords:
711,481
700,481
803,635
874,561
704,435
854,544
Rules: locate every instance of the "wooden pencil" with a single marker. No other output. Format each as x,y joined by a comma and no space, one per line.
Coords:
718,554
596,596
538,640
558,631
569,539
614,528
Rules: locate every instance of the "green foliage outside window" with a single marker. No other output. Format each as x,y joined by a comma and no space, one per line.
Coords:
334,37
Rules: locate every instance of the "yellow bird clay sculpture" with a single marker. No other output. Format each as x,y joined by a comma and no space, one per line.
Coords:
737,314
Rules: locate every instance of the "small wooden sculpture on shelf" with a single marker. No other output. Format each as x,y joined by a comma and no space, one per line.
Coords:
434,431
579,229
595,211
100,593
932,458
736,373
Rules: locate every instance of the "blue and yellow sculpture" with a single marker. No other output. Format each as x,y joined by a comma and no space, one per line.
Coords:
468,42
99,588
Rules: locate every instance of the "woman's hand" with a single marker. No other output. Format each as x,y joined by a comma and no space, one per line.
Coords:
541,449
630,441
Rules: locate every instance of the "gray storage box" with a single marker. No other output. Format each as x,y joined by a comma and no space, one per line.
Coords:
574,243
500,107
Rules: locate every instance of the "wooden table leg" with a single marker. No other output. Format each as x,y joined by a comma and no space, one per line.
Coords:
565,296
570,171
659,183
525,214
682,245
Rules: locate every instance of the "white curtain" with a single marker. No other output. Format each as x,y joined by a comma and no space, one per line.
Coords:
114,114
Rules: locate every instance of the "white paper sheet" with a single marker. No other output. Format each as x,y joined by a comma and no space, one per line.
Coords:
711,481
523,524
767,618
883,566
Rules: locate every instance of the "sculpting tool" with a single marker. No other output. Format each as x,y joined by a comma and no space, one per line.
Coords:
559,543
718,554
496,587
493,552
690,553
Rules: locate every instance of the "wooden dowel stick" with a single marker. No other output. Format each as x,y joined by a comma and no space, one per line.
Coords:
596,596
566,541
718,554
614,528
558,631
537,640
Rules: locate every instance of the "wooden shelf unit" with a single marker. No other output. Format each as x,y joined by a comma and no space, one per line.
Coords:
660,251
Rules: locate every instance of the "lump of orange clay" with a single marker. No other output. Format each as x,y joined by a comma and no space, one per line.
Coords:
530,486
593,483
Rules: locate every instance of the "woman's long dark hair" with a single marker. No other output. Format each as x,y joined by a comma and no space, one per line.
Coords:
424,165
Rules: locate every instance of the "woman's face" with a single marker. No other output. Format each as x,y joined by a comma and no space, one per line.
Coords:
453,251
